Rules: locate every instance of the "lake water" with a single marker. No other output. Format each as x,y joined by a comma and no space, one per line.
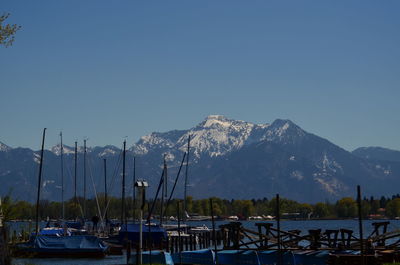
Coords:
304,226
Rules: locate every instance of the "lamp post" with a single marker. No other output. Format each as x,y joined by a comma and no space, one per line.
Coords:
141,186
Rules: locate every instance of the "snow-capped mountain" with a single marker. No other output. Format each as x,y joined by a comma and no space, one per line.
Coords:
218,135
228,158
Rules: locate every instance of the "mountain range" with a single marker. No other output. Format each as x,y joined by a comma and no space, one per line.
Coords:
228,158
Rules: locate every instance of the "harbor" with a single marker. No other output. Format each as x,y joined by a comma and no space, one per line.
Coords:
159,239
298,247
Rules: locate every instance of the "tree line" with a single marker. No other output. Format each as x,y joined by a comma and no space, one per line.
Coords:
343,208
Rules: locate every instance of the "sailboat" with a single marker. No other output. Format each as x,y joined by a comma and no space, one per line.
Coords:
152,234
45,245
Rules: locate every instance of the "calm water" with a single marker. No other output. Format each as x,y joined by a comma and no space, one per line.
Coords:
285,225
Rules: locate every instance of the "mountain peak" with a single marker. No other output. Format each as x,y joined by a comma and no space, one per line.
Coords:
215,117
212,120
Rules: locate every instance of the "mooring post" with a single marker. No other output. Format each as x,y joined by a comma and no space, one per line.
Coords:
278,224
214,235
360,224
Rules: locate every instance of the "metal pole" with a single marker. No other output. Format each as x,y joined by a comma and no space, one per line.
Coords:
141,236
278,223
39,182
360,224
179,233
149,236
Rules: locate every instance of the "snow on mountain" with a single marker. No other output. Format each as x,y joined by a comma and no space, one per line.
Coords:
283,131
4,147
66,149
256,160
217,136
108,150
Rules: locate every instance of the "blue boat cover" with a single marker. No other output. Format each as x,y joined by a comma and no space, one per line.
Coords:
312,257
156,257
238,257
75,225
79,243
201,257
132,232
53,231
270,257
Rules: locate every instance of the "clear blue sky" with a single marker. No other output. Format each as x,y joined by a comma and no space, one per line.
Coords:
110,69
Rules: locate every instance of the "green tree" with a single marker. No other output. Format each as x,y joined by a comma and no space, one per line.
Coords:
305,209
7,31
366,208
346,207
375,205
8,208
393,208
321,210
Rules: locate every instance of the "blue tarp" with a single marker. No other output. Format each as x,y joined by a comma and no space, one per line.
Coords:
54,231
238,257
75,225
270,257
201,257
131,232
156,257
64,244
312,257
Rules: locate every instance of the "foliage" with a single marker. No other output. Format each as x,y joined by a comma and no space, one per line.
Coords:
7,31
343,208
393,208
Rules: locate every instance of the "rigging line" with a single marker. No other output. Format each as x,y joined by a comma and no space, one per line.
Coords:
72,182
116,170
94,189
176,181
155,198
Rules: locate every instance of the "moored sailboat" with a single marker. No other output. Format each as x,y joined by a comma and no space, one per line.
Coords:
48,243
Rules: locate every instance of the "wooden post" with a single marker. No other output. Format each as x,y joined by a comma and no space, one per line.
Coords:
360,224
278,224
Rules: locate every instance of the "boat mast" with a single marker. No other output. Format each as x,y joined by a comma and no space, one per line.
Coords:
123,215
84,179
164,190
134,193
39,182
75,167
186,179
105,189
62,177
